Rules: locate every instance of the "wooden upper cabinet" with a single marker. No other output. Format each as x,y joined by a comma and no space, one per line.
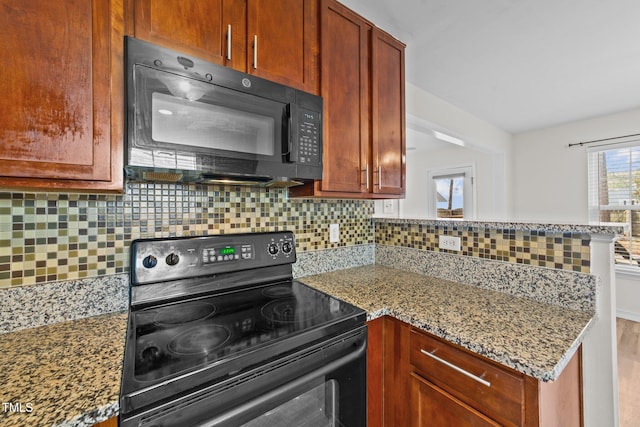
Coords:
362,85
283,42
388,114
345,91
213,30
275,40
62,85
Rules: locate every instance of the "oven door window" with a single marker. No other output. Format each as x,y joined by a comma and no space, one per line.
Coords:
199,124
317,407
180,113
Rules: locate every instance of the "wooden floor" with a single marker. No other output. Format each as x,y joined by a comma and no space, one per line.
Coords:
629,372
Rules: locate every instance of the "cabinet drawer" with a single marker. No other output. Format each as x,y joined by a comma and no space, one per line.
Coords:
491,390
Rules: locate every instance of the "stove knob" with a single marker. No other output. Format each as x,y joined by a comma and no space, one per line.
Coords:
149,261
172,259
273,248
286,247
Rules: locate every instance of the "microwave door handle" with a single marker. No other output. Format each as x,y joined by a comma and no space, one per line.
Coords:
289,155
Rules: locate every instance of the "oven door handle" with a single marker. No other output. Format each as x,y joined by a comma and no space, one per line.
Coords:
290,386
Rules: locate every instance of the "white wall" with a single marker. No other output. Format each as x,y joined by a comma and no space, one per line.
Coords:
549,178
628,296
488,148
420,162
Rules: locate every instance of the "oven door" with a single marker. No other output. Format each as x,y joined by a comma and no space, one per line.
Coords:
178,122
323,386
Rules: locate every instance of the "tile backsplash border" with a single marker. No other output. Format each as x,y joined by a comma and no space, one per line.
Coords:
562,248
48,237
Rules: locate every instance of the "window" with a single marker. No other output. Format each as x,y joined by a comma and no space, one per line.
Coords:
451,193
614,195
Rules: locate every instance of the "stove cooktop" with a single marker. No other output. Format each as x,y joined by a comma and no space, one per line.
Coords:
175,347
176,337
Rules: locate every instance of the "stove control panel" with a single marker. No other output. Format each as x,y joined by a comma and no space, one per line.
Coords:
227,253
159,260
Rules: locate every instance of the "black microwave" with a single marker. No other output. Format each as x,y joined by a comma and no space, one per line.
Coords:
189,120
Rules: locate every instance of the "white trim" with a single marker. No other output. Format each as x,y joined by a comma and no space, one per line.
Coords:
627,271
599,347
628,315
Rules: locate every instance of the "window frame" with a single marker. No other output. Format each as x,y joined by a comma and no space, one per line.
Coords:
469,191
594,207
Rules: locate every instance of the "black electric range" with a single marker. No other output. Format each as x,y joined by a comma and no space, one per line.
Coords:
208,311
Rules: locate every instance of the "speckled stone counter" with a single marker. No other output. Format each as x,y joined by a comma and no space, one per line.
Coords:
531,337
65,374
595,228
68,373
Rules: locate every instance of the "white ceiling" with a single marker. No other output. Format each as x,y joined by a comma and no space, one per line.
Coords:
519,64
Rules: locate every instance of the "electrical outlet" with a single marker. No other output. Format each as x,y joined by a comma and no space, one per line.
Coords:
450,243
334,233
387,207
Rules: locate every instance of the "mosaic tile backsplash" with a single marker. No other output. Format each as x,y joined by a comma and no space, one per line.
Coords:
48,237
559,250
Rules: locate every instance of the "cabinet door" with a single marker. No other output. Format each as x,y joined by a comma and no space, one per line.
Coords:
433,407
111,422
196,27
60,122
388,114
345,91
283,42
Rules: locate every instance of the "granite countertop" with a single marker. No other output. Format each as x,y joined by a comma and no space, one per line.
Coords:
607,228
68,374
65,374
534,338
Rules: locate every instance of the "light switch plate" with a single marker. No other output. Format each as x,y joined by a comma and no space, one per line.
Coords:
387,207
334,233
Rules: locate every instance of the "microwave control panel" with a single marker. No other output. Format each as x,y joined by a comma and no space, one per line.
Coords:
309,137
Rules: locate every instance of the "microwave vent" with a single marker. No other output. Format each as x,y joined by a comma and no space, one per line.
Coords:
162,176
283,183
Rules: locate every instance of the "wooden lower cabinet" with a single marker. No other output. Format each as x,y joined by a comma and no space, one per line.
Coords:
111,422
417,379
433,406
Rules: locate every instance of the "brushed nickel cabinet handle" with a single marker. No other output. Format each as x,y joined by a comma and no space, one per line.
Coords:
379,177
456,368
229,42
255,51
366,172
